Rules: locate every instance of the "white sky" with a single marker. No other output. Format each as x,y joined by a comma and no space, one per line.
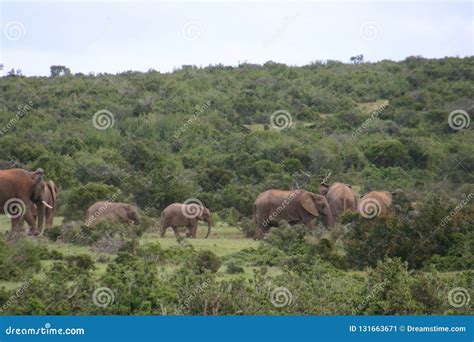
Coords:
106,36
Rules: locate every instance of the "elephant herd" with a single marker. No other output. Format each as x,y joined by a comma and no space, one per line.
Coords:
27,196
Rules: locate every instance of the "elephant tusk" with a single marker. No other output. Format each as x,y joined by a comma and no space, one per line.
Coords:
47,205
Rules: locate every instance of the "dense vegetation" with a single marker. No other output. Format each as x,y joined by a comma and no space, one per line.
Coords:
206,133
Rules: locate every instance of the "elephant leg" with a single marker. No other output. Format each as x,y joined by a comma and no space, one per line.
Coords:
49,218
163,230
16,230
193,229
30,219
175,231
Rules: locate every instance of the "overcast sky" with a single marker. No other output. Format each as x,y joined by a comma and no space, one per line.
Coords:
118,36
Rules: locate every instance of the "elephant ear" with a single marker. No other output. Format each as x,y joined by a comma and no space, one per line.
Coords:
54,191
38,184
308,204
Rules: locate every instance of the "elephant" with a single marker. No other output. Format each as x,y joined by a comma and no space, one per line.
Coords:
20,192
185,215
340,197
294,206
375,203
50,198
111,211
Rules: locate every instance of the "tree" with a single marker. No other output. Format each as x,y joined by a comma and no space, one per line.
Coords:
357,59
59,70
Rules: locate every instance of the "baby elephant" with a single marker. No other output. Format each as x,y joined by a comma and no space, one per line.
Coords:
184,215
115,212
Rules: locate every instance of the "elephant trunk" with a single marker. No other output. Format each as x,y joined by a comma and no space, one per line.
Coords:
209,224
330,222
41,216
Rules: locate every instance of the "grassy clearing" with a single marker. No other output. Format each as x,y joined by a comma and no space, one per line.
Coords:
369,107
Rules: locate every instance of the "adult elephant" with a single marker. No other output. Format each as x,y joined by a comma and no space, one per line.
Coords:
340,197
185,215
50,198
295,206
20,192
111,211
375,203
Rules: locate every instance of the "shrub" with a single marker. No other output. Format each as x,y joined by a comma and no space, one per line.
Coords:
233,268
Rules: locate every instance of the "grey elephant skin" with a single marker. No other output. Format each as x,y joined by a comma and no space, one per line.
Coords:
113,212
293,206
184,215
28,187
340,196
